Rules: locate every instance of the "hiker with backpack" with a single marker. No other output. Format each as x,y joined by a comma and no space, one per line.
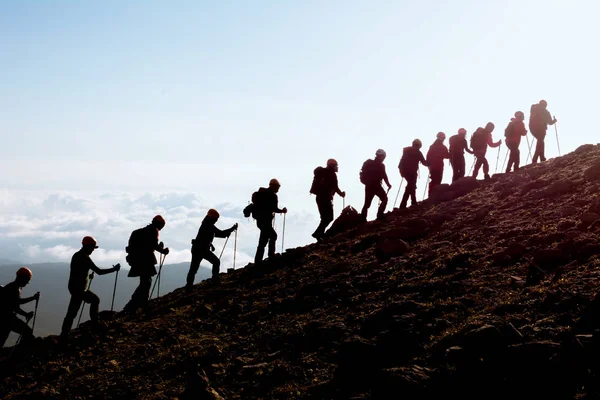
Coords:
10,306
436,155
81,264
409,170
513,133
202,247
325,186
458,146
371,175
263,208
480,140
539,120
143,243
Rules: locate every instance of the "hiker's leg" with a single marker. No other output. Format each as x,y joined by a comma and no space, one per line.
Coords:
216,263
272,240
380,192
19,326
194,266
486,166
325,205
517,158
413,188
263,239
369,194
72,311
479,158
94,302
4,332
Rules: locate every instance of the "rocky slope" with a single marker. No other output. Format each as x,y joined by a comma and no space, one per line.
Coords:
486,291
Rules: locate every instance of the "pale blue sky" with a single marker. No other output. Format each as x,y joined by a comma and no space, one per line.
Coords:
215,98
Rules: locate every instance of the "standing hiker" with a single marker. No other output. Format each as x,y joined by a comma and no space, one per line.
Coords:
371,175
458,146
409,170
81,264
539,120
10,305
436,155
480,140
513,133
143,243
263,208
202,247
325,186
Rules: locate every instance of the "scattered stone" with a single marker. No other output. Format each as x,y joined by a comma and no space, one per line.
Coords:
389,248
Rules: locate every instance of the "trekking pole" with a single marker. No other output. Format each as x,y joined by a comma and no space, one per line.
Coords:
528,149
398,194
83,305
283,234
556,131
498,159
162,261
504,162
226,240
472,165
35,314
234,248
112,306
425,188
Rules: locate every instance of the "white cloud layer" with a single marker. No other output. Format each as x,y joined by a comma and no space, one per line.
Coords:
38,226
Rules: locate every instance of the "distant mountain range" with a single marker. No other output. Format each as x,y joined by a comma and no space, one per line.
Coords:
51,280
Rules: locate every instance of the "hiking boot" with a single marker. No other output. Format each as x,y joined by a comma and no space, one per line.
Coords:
188,288
381,218
487,177
319,238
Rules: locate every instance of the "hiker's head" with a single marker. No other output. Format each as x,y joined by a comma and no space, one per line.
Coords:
89,244
462,132
520,116
380,155
417,144
332,164
212,215
24,275
543,104
158,222
441,136
489,127
274,185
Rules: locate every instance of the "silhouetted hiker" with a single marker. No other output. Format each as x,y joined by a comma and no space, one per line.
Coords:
202,247
458,146
513,133
481,139
371,175
264,206
409,170
10,306
81,264
539,120
143,243
436,155
325,186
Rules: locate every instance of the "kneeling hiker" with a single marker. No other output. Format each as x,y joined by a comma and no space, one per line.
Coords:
436,155
371,175
143,243
325,186
480,140
81,264
202,247
409,170
513,133
263,208
458,146
10,305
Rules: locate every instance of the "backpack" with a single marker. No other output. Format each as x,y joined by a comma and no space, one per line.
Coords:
509,132
479,139
319,182
369,172
256,208
135,245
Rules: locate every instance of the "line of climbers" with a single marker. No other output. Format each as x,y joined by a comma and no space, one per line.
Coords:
144,242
